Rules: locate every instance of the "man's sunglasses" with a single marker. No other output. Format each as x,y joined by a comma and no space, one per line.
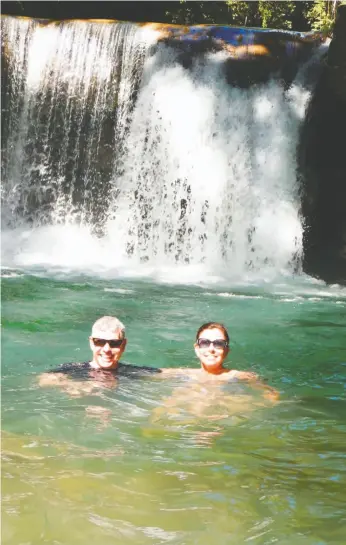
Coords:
218,343
113,343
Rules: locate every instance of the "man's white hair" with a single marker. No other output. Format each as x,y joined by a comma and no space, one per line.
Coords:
106,325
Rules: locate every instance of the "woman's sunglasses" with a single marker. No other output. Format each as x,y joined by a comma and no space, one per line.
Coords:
113,343
218,343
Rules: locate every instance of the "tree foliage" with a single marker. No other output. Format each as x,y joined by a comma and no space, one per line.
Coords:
318,15
321,15
191,13
262,13
276,14
244,13
296,15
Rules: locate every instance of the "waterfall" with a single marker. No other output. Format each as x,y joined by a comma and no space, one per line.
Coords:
113,145
72,88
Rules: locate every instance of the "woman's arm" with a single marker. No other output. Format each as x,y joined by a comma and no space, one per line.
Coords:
269,392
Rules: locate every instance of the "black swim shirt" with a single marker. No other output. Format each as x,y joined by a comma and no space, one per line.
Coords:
82,370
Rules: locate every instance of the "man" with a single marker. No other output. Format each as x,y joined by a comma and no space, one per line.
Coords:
107,343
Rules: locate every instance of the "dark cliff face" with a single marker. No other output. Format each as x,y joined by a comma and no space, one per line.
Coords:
323,166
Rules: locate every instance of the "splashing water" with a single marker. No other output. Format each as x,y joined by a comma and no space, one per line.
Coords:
118,156
73,93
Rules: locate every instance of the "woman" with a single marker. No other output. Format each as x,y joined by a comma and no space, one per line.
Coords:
204,397
212,348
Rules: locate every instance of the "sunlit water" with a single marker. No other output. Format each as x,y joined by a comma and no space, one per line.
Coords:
219,464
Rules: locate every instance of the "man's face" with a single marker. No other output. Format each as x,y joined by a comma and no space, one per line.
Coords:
107,348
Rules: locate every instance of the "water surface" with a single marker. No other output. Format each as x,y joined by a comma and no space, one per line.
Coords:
126,464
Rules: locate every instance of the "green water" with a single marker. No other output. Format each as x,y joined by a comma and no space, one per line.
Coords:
219,465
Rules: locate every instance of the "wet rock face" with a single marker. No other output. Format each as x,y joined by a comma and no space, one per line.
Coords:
323,166
252,56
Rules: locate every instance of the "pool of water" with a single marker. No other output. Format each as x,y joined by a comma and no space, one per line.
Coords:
150,461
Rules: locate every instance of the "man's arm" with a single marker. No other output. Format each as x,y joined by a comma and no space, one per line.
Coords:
72,387
52,379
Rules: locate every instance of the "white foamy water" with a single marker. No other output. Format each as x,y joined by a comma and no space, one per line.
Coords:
64,251
121,161
210,173
118,290
70,103
238,296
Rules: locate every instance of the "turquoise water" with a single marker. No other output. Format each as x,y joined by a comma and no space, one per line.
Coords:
149,461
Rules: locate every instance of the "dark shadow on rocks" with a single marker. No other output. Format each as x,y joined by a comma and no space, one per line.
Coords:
322,162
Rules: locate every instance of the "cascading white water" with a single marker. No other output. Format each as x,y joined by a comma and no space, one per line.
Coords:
189,171
69,106
210,171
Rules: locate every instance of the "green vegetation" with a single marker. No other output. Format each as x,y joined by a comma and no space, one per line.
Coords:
321,15
263,13
305,15
300,15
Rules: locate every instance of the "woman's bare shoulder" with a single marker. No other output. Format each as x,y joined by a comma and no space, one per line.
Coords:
243,375
176,371
191,372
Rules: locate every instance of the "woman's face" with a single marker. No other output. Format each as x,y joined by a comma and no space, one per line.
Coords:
211,357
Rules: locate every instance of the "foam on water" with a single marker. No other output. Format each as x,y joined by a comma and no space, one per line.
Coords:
239,296
67,251
118,290
76,250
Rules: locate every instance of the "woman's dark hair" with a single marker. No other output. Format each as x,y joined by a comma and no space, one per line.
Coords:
213,325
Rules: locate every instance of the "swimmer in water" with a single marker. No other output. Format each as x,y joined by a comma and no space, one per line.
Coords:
212,348
204,398
107,343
